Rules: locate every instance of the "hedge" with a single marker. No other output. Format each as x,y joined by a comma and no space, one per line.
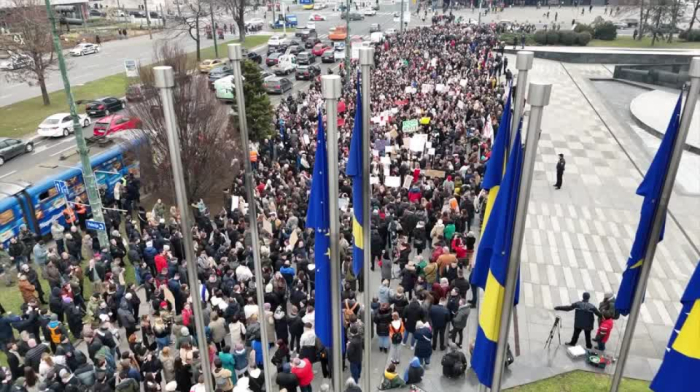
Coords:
605,31
692,36
581,27
565,37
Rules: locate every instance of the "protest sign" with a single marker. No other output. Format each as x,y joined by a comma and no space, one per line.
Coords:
410,126
418,142
435,173
393,181
385,160
440,88
425,120
267,226
234,202
407,182
427,88
431,151
373,180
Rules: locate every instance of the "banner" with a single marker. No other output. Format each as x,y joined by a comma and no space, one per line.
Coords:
434,173
410,126
393,181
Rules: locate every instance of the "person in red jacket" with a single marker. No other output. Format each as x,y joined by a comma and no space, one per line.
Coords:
604,331
161,261
304,372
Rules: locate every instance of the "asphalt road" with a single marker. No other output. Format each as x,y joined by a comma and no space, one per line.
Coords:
47,153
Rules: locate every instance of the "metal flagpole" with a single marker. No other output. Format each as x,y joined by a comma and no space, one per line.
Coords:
479,23
659,218
88,176
331,87
523,63
403,9
348,52
213,28
235,54
165,82
538,98
366,62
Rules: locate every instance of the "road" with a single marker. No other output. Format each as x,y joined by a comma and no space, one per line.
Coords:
35,166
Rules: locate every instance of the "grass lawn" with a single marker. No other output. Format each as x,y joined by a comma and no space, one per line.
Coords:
580,381
645,43
22,118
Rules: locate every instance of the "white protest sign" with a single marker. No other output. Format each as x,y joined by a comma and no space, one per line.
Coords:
385,160
389,149
375,153
410,90
426,88
306,139
418,142
343,203
463,82
407,182
440,88
431,151
393,181
234,202
373,180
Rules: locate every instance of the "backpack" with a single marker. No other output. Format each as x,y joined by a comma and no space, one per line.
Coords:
349,311
55,333
223,383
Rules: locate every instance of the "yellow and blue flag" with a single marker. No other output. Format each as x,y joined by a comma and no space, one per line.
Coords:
495,169
354,170
503,217
318,218
651,189
682,358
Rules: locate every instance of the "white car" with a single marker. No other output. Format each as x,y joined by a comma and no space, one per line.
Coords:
16,61
368,12
320,6
311,25
257,22
85,48
276,40
60,124
339,54
391,31
316,17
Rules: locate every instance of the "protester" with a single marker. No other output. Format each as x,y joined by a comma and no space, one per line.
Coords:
583,319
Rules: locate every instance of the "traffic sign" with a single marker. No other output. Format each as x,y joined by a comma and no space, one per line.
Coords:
61,187
95,225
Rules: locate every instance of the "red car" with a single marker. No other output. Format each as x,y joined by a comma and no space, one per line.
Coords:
115,123
319,49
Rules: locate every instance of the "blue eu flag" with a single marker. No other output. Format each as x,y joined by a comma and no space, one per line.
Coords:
354,170
651,188
318,218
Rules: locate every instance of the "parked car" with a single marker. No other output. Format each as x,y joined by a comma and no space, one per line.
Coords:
305,58
368,12
84,49
96,13
390,31
339,52
254,57
320,6
224,88
103,106
317,17
207,65
328,57
320,48
273,59
140,92
115,123
307,72
277,85
311,42
276,40
10,148
255,24
16,61
375,27
60,124
218,73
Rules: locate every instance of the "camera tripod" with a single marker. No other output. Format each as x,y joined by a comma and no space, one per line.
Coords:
556,327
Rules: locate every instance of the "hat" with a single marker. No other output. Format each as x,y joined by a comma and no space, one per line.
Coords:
171,386
184,331
64,374
561,155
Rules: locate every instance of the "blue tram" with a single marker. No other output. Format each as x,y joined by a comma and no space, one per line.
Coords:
37,205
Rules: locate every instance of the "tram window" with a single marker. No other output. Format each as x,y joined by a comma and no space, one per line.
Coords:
6,217
51,192
129,158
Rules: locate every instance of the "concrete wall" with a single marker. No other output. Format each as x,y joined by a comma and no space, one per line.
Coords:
609,58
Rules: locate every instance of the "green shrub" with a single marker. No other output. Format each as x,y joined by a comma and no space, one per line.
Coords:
541,37
552,38
606,31
582,39
581,27
567,38
692,36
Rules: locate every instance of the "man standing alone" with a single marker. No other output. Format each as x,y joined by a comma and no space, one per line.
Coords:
583,319
561,164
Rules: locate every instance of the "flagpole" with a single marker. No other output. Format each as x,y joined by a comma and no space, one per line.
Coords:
658,219
538,98
165,81
235,54
366,62
331,92
523,63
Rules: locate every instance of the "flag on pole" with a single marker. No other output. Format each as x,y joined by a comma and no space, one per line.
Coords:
318,218
503,218
354,170
492,181
651,189
682,357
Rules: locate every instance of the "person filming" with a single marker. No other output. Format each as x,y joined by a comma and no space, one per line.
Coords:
583,319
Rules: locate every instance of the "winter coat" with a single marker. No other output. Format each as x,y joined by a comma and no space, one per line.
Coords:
437,233
459,321
354,351
387,266
414,372
430,272
584,316
399,303
439,316
409,276
411,315
27,290
384,294
288,381
424,345
383,318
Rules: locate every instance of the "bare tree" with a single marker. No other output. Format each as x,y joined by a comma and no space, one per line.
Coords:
30,43
676,10
206,133
189,21
237,10
696,8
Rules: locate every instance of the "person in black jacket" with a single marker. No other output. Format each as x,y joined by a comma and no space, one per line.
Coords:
454,363
409,276
286,379
382,319
583,319
411,315
296,329
377,246
439,316
354,353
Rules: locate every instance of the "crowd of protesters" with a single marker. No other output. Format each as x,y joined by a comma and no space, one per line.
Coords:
142,334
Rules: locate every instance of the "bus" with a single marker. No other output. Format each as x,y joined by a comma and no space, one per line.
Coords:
307,4
36,205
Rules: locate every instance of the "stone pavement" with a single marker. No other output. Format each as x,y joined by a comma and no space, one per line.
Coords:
645,107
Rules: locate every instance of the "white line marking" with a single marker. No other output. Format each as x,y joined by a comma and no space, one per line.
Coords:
8,174
62,151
